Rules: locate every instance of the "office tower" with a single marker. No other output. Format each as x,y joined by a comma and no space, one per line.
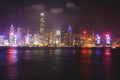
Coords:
42,23
70,38
98,40
1,40
19,40
108,41
52,38
42,29
27,39
58,38
11,35
36,39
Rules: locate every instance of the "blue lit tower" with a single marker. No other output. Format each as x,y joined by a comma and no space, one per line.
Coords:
108,41
42,28
98,39
69,30
70,39
11,35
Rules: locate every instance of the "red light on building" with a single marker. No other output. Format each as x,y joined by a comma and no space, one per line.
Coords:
84,32
107,35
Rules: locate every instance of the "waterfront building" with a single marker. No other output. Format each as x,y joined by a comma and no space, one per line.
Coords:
19,35
58,38
42,29
11,35
36,39
52,38
1,40
70,36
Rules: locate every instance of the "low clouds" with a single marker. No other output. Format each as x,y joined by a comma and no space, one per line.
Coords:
71,5
56,10
35,7
38,7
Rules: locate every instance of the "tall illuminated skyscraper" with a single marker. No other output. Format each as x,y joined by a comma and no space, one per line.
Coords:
108,41
11,35
42,23
98,39
70,38
42,29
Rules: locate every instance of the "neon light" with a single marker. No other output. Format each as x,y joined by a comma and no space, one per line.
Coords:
98,39
84,32
69,30
107,39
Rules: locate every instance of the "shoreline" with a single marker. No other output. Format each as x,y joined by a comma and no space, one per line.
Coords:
7,47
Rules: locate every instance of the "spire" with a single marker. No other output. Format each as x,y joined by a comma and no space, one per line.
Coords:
69,30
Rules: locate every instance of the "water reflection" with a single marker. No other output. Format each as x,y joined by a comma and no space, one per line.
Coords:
27,54
90,51
86,64
56,60
98,51
2,58
12,66
107,65
58,64
12,56
98,65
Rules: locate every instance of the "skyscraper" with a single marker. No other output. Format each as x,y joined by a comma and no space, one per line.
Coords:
11,35
70,38
19,36
42,23
42,28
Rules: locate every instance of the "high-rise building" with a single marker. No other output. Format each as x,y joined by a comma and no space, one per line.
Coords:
36,39
11,35
70,38
42,29
42,23
52,38
19,36
1,40
108,41
98,39
27,39
58,38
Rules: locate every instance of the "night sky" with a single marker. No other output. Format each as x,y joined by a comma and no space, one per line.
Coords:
100,16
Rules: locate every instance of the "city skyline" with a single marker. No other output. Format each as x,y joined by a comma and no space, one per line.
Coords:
102,16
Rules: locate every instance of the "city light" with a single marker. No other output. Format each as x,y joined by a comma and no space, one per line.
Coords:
56,38
108,39
84,51
98,39
58,32
42,14
84,32
11,34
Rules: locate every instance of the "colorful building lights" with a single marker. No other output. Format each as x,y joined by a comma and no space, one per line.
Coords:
98,41
107,39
